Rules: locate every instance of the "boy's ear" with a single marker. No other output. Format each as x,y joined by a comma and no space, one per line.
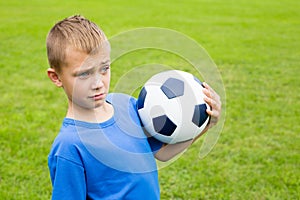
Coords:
52,74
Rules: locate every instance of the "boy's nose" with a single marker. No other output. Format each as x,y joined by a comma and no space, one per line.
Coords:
97,82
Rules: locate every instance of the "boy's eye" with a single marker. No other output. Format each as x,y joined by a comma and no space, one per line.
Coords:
103,70
83,74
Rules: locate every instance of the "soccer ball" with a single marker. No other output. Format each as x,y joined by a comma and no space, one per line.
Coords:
171,106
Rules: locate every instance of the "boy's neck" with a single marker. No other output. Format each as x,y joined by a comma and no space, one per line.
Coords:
96,115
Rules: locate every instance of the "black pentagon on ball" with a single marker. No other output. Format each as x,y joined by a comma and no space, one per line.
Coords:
163,125
173,87
200,115
141,98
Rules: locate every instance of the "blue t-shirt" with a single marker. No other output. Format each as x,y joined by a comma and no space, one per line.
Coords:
109,160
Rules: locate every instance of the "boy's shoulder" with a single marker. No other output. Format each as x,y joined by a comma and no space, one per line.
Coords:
67,140
119,97
121,100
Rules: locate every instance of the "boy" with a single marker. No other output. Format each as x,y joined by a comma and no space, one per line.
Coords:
101,151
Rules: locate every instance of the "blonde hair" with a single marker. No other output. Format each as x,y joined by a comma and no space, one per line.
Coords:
74,31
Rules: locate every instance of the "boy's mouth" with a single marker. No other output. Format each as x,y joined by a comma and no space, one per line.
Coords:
97,96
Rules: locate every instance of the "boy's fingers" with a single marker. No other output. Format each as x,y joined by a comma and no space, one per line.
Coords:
214,117
215,105
214,101
208,91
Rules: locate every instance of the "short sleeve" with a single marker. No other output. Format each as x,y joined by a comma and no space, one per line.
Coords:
68,179
155,144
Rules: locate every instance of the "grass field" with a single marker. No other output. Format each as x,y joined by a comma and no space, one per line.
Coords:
255,45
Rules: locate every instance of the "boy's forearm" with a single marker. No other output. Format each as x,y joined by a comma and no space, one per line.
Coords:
169,151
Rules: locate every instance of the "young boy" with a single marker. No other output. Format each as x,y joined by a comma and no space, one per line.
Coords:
101,151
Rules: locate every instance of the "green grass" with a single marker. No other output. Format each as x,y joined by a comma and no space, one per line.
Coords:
256,47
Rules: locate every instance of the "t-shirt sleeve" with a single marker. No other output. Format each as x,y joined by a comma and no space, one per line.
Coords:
154,143
68,179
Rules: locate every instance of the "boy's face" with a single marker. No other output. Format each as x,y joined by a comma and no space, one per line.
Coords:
86,78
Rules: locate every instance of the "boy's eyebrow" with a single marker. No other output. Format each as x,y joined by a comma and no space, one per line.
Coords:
76,72
105,62
96,64
90,68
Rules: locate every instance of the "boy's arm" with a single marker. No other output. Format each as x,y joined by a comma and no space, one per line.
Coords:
168,151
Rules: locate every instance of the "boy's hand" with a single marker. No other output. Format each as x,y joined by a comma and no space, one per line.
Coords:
213,100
